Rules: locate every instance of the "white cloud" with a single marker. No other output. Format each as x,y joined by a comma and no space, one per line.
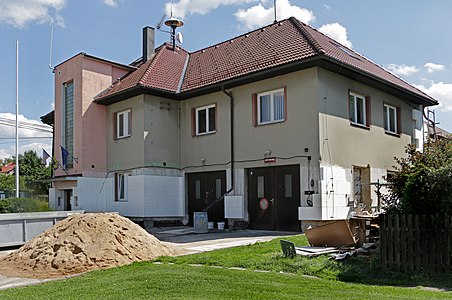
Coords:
440,91
20,12
186,7
259,15
431,67
326,6
402,70
7,146
337,32
112,3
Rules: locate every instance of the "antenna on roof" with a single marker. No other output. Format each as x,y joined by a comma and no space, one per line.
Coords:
159,24
174,23
274,9
51,48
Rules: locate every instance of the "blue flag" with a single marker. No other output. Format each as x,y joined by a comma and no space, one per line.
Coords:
64,156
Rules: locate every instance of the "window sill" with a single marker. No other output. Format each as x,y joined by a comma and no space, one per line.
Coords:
270,123
206,133
392,133
123,137
121,201
357,125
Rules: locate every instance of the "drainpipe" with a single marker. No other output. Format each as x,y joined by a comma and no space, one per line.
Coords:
231,119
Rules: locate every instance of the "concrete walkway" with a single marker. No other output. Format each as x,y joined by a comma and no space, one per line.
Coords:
188,242
184,240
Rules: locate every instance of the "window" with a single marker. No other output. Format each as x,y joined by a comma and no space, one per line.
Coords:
205,119
390,119
358,108
271,107
121,186
123,124
68,120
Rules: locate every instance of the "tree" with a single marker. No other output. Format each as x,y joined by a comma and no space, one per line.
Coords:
32,171
423,182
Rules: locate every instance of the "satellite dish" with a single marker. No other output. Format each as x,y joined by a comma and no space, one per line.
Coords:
179,38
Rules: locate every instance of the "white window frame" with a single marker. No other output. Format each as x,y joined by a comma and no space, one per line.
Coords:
121,184
125,121
272,107
354,117
208,129
386,120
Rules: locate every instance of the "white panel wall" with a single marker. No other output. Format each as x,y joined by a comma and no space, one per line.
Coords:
53,199
91,193
163,196
147,196
234,207
335,190
375,176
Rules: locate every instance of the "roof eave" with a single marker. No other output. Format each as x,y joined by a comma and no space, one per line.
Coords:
135,91
336,66
320,60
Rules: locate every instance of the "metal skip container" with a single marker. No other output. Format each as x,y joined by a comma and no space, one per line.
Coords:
200,222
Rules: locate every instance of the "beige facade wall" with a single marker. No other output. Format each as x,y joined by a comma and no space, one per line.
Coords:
126,153
210,148
345,145
284,139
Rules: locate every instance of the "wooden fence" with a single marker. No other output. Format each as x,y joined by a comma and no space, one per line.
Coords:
416,243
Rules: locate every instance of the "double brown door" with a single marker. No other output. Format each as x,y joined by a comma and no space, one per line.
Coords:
274,198
204,189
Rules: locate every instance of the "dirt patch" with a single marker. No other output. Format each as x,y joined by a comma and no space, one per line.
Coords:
82,243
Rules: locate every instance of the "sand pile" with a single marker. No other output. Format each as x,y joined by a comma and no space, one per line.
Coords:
82,243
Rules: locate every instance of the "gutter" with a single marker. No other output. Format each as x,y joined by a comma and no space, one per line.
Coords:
231,120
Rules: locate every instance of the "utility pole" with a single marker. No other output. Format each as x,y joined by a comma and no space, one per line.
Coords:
17,119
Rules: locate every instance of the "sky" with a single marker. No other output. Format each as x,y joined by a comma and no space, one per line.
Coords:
411,38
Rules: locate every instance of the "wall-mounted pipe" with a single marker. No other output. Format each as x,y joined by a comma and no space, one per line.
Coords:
231,120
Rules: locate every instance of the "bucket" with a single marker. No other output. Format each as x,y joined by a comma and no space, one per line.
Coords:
200,222
220,225
210,225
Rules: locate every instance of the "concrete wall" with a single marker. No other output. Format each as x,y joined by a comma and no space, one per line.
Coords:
161,132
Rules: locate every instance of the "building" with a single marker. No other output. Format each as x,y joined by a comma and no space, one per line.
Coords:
274,127
8,169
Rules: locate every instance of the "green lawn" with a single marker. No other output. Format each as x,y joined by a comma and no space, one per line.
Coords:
178,278
150,281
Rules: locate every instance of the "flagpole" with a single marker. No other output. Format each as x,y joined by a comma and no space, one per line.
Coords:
17,119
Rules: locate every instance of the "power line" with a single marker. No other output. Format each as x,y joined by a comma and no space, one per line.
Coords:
27,138
27,127
25,123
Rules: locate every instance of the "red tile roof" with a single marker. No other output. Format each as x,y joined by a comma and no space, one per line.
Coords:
8,168
279,44
163,72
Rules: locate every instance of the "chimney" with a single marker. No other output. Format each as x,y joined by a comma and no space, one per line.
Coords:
148,43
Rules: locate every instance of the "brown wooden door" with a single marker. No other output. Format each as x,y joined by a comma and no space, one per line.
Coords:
274,198
261,200
203,191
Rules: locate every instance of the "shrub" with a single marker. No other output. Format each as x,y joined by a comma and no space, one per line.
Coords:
423,183
20,205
